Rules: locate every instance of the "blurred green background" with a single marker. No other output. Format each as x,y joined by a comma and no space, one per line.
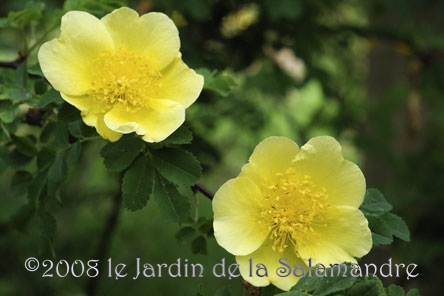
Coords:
369,74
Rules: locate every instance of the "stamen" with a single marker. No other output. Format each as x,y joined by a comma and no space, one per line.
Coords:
125,78
294,207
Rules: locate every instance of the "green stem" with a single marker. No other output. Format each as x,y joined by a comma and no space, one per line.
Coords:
23,56
40,40
196,209
86,139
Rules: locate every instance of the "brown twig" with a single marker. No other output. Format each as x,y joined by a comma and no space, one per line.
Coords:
200,188
12,64
16,63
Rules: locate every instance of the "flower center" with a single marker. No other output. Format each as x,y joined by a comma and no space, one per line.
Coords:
294,208
123,77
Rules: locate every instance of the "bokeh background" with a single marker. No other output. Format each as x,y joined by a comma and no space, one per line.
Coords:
370,73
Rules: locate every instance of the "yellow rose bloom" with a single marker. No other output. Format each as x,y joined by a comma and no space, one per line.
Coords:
296,203
123,72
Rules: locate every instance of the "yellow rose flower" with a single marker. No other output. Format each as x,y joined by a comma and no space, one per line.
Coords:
123,72
299,204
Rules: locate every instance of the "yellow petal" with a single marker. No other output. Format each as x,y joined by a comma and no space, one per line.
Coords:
180,83
92,115
106,132
154,124
65,61
280,267
152,35
96,120
84,103
346,236
272,156
321,159
237,216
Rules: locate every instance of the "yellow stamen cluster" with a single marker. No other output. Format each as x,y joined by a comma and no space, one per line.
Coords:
123,77
294,208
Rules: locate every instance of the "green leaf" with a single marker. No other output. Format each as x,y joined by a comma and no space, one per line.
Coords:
137,184
21,218
173,204
19,183
68,113
57,132
181,136
40,87
4,158
219,83
5,135
374,202
48,132
19,95
48,224
368,287
46,248
394,290
119,155
293,293
24,145
385,226
88,131
8,111
199,245
18,160
73,153
177,165
271,290
57,171
32,12
323,286
381,240
206,226
413,292
49,97
397,226
35,70
20,75
98,8
52,189
37,186
185,233
75,128
45,158
225,291
48,228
